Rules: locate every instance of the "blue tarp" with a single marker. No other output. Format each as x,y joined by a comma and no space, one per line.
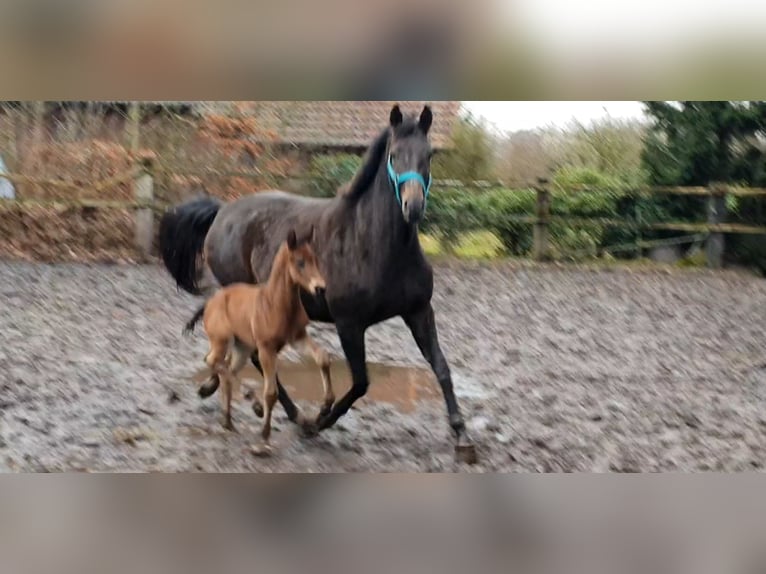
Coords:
6,187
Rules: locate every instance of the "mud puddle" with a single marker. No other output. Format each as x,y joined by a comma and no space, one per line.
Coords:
402,387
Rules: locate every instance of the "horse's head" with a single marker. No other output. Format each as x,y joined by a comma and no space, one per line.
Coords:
302,263
409,162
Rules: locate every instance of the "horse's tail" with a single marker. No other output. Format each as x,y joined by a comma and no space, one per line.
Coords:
183,229
189,328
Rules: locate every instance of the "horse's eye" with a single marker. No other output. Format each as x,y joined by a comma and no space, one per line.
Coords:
301,264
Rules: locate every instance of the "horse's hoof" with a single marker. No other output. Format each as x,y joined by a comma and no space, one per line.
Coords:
229,426
324,411
466,453
262,450
258,409
309,429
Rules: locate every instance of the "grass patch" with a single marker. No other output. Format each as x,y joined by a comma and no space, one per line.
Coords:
431,245
479,245
697,258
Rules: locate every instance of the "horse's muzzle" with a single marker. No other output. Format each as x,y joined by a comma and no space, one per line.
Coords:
412,210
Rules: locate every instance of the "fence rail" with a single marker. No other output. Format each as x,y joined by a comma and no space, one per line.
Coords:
145,205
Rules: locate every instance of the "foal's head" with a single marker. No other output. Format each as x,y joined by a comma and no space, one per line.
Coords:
302,263
409,161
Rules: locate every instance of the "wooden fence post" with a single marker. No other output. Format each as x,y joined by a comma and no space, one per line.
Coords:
716,213
543,213
133,126
144,192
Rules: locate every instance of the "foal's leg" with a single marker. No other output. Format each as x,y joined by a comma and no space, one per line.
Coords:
269,363
239,356
352,340
293,413
210,386
216,359
308,346
228,389
423,327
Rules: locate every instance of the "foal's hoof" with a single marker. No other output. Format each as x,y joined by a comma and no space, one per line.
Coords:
208,388
262,450
466,453
228,425
258,409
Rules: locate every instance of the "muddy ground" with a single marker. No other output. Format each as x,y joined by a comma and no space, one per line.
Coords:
556,369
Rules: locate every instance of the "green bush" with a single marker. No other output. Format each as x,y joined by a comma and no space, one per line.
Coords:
452,212
500,207
328,172
748,250
604,195
575,244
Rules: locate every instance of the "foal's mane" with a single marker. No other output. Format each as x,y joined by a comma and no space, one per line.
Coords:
373,158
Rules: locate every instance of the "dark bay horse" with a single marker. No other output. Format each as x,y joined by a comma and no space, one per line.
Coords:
366,244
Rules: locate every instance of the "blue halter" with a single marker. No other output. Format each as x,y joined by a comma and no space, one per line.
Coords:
397,179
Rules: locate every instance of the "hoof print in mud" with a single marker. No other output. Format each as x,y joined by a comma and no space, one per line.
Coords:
309,429
466,453
261,450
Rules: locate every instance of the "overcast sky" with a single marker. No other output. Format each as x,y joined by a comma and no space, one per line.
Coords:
513,116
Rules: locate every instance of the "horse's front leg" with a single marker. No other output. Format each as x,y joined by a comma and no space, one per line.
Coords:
423,327
352,341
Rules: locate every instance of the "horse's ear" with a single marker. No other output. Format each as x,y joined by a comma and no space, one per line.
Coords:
292,240
312,234
396,116
426,118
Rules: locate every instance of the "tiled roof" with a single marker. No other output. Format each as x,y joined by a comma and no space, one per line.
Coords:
345,123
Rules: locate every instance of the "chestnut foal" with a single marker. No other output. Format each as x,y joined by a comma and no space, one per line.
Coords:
242,318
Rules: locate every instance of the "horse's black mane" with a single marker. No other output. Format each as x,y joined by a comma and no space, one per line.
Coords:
365,177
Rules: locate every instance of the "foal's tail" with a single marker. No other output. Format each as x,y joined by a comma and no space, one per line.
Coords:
189,328
183,229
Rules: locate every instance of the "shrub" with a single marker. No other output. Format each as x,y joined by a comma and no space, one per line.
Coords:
574,244
329,171
499,208
455,211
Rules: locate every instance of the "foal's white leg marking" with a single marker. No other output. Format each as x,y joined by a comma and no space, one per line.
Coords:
238,357
308,347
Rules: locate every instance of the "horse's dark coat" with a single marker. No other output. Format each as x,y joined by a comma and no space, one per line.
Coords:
366,245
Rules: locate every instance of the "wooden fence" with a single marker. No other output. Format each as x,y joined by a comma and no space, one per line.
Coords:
146,207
